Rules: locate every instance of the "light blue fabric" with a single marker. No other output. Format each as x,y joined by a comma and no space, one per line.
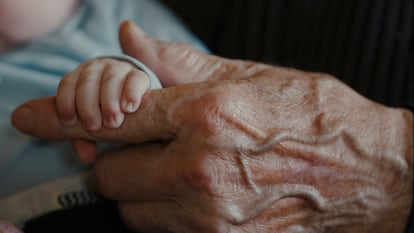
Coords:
34,71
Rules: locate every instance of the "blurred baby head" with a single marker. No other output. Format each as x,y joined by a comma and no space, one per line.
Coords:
24,20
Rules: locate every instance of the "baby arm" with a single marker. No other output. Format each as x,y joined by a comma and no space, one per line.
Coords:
99,92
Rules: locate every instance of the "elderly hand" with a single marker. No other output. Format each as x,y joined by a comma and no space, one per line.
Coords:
246,147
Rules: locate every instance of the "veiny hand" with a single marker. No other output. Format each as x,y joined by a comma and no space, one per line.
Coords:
246,147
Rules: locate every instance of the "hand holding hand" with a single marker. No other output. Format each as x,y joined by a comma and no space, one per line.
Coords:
246,147
100,91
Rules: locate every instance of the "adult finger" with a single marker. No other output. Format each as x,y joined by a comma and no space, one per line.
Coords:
85,149
178,63
156,216
137,173
170,216
152,121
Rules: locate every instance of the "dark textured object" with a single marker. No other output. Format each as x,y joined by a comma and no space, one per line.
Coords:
101,217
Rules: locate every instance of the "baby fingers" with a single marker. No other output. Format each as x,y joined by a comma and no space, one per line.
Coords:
100,92
87,94
136,83
65,99
113,79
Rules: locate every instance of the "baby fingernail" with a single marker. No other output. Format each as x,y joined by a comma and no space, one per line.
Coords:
129,107
92,126
114,121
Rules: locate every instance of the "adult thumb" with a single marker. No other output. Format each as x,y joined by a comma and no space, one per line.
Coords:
174,63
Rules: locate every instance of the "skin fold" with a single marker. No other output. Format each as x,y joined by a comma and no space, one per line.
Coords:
238,146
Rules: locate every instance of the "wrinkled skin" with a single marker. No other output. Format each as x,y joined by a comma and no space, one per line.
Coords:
236,146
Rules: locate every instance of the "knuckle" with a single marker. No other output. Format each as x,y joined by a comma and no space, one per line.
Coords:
134,92
201,176
108,75
140,75
176,50
123,65
109,108
66,79
181,55
86,76
220,180
112,70
65,108
93,63
88,115
206,114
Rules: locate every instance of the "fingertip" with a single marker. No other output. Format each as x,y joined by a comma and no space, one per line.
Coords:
86,150
87,158
68,121
129,106
133,40
23,119
129,26
91,122
135,86
125,24
114,121
66,111
39,118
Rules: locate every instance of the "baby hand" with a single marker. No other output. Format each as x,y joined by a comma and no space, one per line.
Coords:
100,91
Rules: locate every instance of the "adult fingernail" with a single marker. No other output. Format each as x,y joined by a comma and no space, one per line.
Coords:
23,119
